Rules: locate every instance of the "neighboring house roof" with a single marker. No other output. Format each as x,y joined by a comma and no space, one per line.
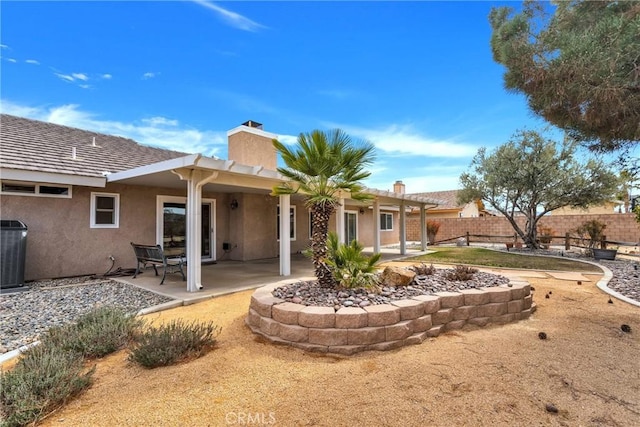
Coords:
447,198
32,145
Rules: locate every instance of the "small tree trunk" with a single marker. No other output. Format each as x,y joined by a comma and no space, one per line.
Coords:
321,215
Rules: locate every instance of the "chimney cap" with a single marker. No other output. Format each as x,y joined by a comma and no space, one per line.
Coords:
252,124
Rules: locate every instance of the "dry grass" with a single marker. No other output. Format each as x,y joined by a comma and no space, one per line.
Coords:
588,368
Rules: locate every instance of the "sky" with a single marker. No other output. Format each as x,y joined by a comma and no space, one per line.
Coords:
416,79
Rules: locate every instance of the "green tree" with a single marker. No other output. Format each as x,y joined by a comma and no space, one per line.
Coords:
324,167
578,66
530,176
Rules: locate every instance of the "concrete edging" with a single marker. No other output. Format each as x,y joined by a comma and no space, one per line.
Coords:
383,327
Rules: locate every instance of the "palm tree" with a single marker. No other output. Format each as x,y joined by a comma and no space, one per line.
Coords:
323,166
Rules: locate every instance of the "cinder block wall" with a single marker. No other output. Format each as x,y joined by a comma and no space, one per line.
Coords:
620,227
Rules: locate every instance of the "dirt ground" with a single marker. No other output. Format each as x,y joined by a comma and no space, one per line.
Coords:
496,376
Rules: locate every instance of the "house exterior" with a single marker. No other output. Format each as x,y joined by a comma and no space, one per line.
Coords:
614,206
85,196
449,207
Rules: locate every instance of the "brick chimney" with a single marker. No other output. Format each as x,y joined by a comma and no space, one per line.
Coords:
250,145
398,187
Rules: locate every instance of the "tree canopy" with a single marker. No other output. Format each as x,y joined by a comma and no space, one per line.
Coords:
579,66
324,167
530,176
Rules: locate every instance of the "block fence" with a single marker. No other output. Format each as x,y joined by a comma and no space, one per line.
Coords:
386,326
620,227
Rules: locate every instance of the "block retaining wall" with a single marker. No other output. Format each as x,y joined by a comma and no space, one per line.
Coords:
386,326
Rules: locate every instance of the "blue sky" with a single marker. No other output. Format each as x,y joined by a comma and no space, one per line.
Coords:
415,78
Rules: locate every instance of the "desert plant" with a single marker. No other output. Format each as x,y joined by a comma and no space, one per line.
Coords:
591,233
102,331
173,342
44,378
461,273
545,234
423,270
432,229
349,266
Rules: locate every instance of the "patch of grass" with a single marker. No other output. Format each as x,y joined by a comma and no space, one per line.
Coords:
43,379
491,258
173,342
102,331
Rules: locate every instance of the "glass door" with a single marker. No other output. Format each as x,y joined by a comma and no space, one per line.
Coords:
350,227
172,226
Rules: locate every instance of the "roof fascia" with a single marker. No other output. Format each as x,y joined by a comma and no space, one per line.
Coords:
254,131
181,162
52,178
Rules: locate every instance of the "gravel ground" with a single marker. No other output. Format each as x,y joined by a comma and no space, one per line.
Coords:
26,314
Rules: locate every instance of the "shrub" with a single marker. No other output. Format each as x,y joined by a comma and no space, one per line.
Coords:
102,331
173,342
349,266
461,273
423,269
44,378
432,229
591,232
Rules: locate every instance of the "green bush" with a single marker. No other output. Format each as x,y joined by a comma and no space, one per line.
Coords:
44,378
350,268
102,331
461,273
173,342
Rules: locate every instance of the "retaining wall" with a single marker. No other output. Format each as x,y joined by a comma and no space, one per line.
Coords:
386,326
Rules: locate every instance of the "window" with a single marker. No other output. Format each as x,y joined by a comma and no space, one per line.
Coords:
105,208
386,221
35,189
292,223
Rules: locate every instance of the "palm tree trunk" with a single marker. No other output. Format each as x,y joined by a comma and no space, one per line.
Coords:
320,223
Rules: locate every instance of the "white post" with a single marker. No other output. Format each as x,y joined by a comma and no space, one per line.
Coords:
403,228
285,232
423,227
376,226
340,221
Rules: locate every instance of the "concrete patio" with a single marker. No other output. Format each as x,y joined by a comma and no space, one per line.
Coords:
225,277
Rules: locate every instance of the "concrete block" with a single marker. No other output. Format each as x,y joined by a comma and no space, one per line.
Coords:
422,323
431,303
328,337
399,331
317,317
253,318
409,308
492,310
351,318
382,315
465,312
475,297
519,290
515,306
479,321
387,345
366,336
312,348
346,350
498,294
269,326
287,312
503,319
262,304
528,300
416,338
525,314
454,324
442,316
450,299
435,331
293,333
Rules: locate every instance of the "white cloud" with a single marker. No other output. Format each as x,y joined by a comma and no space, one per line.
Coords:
233,19
107,76
149,75
160,121
396,140
85,86
65,77
11,60
32,61
80,76
185,139
4,46
288,139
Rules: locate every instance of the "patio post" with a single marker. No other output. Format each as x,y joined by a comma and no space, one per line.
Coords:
403,226
423,227
376,226
285,232
340,221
